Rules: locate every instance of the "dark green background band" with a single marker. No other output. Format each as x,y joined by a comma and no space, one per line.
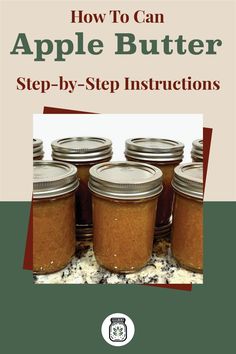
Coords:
63,319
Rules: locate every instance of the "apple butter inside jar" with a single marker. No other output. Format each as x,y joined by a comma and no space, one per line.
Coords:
165,154
124,209
187,229
197,150
38,152
83,152
54,185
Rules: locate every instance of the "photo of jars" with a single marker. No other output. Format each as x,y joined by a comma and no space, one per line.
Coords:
122,215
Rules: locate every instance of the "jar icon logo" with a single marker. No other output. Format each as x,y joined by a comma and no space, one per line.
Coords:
118,329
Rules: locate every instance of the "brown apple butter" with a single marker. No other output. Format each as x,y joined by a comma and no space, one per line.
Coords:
197,150
83,152
38,152
124,210
166,155
187,228
54,185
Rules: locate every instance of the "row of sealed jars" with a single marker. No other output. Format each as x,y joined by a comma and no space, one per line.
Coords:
196,152
84,152
124,209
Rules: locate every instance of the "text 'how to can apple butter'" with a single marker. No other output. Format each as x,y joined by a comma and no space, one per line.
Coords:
83,152
187,229
165,154
125,198
54,185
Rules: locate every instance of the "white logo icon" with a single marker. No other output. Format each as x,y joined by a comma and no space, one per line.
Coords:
117,329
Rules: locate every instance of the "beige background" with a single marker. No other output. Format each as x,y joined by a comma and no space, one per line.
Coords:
44,19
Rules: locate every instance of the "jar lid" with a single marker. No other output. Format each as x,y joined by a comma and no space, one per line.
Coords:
154,149
188,179
81,149
125,180
52,179
37,148
197,149
118,319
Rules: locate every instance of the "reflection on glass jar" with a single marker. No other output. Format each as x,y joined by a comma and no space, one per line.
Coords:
187,229
124,210
197,150
166,155
54,186
38,152
83,152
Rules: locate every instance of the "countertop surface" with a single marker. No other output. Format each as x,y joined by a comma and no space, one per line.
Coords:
83,269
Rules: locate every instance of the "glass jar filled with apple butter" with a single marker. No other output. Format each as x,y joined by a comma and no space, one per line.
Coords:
125,198
165,154
197,150
83,152
38,152
54,185
187,228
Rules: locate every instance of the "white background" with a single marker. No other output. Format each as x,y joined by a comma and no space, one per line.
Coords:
184,128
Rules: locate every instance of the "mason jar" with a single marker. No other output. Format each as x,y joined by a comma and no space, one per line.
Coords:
38,152
187,229
54,185
166,155
197,150
125,198
83,152
118,329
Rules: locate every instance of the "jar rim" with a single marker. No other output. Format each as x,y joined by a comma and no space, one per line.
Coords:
37,148
197,149
81,149
188,179
52,179
154,149
125,180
